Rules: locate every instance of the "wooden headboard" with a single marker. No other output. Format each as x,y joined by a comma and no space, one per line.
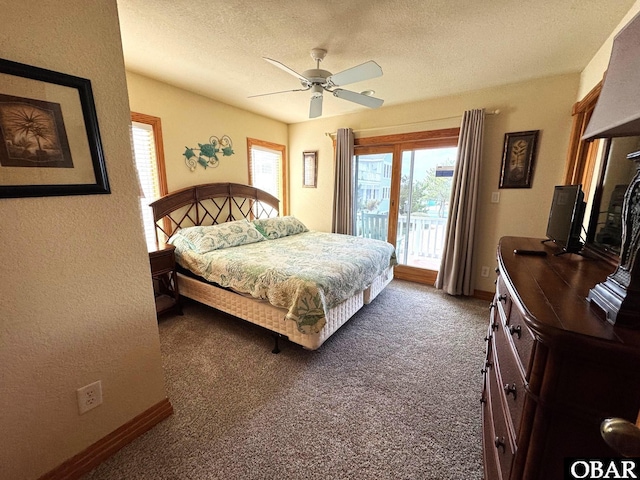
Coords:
210,204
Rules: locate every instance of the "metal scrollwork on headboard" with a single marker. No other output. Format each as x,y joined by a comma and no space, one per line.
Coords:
207,153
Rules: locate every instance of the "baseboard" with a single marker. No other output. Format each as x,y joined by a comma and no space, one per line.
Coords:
428,277
90,458
482,295
416,275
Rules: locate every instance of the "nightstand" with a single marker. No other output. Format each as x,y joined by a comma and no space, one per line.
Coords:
165,280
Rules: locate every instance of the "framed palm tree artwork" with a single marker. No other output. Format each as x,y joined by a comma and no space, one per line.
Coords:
518,158
49,137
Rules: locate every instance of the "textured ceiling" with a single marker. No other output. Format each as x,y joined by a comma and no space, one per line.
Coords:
426,48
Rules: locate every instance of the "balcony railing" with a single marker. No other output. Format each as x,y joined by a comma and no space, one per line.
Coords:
421,239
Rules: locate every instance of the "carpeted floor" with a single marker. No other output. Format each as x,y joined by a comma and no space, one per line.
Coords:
394,394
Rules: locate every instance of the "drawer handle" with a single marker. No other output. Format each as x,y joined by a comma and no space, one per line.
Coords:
513,389
486,368
492,306
503,298
516,329
488,338
494,325
500,443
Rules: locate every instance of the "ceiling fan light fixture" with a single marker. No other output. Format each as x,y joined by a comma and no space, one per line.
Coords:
318,81
316,90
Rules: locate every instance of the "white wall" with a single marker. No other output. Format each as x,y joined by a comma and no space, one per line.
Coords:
543,104
76,302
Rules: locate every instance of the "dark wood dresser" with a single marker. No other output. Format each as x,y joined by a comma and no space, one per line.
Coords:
554,368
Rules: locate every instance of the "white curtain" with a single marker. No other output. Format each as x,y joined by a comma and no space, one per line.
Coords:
454,276
343,185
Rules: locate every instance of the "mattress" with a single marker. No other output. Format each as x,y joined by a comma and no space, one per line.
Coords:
264,314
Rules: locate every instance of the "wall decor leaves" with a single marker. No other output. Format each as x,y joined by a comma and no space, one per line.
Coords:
206,154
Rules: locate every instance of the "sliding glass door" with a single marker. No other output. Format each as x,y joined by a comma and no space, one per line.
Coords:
401,194
425,188
372,191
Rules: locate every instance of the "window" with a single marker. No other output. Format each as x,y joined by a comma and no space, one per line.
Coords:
146,137
267,169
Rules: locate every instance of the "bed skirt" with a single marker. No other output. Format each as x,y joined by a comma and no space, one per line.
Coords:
266,315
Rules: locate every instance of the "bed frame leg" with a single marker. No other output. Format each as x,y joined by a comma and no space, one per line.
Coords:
276,348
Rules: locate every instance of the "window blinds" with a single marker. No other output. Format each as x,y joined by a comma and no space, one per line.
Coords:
144,151
265,170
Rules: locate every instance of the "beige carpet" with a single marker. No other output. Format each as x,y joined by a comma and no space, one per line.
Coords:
394,394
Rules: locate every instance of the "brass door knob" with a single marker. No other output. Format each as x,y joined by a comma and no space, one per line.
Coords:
622,436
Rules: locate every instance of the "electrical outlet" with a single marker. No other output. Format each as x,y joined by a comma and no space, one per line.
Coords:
89,396
495,197
484,272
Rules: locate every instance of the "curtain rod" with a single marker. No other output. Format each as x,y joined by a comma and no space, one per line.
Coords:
331,134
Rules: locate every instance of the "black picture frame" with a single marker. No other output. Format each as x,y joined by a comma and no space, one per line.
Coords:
518,157
49,137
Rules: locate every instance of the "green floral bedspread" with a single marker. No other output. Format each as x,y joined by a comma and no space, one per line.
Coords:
306,274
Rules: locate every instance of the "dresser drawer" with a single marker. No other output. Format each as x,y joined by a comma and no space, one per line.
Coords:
489,453
521,337
502,297
510,375
488,357
502,442
162,261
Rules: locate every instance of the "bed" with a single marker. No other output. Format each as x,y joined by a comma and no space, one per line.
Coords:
237,255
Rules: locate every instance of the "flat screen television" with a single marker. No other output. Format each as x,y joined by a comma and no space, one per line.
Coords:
565,218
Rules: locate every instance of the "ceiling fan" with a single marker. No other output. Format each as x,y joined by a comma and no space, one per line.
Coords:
319,81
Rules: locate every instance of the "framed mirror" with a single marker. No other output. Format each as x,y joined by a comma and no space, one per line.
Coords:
612,174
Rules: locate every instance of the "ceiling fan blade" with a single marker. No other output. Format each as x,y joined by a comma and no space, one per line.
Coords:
283,91
288,70
315,107
366,100
355,74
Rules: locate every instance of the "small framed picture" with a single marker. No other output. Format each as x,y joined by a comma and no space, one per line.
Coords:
517,159
309,169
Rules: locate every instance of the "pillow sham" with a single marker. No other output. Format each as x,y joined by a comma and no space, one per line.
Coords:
224,235
278,227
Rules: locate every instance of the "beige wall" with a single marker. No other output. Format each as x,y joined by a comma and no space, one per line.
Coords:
76,303
543,104
189,119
